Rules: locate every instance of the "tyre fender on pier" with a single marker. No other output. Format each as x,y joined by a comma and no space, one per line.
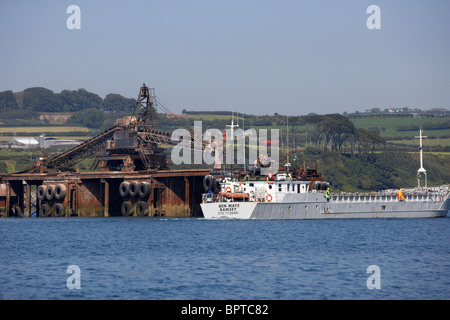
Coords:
45,210
144,189
127,209
50,192
59,210
142,208
41,192
60,191
124,189
208,182
133,189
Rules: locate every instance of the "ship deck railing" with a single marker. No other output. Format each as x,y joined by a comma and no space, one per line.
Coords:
415,196
387,198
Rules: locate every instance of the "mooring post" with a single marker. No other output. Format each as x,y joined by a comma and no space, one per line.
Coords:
106,208
28,201
186,196
8,199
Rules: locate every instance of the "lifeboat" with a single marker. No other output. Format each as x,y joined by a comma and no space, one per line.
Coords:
234,195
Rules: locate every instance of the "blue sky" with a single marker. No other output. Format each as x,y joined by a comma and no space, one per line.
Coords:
257,57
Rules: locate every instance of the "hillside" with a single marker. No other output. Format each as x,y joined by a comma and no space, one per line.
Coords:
383,155
383,170
38,106
361,151
398,130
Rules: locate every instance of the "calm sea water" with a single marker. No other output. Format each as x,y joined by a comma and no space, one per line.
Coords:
189,258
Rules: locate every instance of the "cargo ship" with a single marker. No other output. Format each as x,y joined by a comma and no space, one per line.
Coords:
287,197
284,198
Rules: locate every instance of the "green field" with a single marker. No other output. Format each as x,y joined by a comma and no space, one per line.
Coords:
41,130
388,126
436,142
209,117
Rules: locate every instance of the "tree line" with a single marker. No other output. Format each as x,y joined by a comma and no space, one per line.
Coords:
88,108
40,99
333,131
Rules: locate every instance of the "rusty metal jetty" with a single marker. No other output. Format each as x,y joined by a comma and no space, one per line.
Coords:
129,177
170,193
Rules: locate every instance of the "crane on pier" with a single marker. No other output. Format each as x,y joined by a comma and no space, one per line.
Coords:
133,144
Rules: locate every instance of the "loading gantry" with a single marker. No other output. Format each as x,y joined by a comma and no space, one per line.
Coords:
133,144
136,144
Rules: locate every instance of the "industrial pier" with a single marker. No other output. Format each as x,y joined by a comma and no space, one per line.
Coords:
129,176
170,193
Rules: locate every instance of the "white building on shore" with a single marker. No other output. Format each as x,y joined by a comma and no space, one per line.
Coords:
25,142
52,142
43,142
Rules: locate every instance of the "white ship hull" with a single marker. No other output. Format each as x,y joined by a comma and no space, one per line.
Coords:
315,206
281,197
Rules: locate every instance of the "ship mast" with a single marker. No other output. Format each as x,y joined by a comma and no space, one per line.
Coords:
288,164
231,126
421,171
